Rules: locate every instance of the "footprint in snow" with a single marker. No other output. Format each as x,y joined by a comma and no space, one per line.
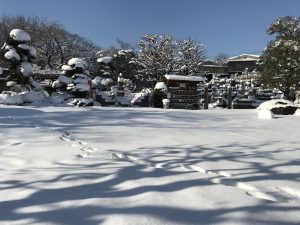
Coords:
16,143
291,191
83,156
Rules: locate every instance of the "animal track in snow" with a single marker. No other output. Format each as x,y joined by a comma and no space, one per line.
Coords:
64,136
67,137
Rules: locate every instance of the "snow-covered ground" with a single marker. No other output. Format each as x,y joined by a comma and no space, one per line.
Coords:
69,166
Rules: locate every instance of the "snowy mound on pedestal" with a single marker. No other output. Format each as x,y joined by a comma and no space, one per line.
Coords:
279,106
19,35
265,114
161,86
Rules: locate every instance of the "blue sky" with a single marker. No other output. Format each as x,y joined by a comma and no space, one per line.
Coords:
223,26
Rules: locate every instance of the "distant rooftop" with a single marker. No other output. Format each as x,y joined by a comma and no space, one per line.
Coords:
184,78
244,57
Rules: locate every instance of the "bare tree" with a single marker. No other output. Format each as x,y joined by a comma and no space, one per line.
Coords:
190,56
221,59
157,55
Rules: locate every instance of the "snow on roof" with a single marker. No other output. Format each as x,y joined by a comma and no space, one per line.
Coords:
19,35
184,78
105,59
12,54
244,57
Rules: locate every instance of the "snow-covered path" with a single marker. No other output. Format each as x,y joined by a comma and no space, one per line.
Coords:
62,165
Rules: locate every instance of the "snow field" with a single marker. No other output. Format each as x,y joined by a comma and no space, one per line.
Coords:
147,166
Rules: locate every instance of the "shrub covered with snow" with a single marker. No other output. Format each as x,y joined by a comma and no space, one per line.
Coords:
157,98
59,97
279,106
75,81
33,97
141,97
10,98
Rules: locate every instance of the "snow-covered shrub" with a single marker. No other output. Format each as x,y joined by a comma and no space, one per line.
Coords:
75,81
104,66
139,97
33,97
59,97
10,98
265,114
279,106
157,97
159,93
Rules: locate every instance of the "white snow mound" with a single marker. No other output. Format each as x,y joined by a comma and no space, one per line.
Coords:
77,63
12,55
10,98
105,59
19,35
33,97
297,113
265,114
275,103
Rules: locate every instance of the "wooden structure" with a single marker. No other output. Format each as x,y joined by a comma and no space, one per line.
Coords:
182,91
238,64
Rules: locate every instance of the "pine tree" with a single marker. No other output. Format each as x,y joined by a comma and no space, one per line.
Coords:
280,62
18,54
